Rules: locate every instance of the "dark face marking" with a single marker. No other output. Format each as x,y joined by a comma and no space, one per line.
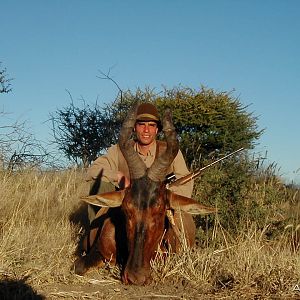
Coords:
139,234
144,193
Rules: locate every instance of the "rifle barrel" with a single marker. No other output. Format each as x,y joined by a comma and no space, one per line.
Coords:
191,176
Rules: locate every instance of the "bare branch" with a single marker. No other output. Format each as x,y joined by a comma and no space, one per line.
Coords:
108,77
5,86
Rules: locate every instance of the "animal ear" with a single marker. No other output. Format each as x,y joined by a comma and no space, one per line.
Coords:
109,199
189,205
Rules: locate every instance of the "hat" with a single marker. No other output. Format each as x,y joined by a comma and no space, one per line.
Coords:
147,112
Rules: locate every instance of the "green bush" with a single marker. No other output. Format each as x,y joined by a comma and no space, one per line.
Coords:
247,195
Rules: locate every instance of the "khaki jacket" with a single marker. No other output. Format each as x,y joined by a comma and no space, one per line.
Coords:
112,162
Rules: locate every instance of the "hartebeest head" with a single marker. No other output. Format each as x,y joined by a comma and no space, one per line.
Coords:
146,201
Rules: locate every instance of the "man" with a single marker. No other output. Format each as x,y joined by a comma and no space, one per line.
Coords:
110,171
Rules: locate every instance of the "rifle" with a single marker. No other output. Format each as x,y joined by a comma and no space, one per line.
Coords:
172,181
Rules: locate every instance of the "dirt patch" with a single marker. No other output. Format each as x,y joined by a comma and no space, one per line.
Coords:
119,291
108,287
96,286
103,288
151,292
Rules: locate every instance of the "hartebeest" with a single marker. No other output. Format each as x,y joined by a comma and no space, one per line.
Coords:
136,223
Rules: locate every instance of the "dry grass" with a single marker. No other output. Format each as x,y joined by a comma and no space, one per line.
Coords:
37,237
245,263
38,242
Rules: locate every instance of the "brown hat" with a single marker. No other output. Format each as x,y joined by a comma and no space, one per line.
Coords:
147,112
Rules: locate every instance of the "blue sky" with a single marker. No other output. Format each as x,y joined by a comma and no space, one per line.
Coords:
251,47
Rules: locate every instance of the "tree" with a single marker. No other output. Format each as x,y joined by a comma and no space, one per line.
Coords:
208,123
19,149
5,86
82,133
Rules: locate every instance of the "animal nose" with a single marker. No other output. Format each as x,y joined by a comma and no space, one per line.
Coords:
136,278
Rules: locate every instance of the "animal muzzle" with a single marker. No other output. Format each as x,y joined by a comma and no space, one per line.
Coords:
140,277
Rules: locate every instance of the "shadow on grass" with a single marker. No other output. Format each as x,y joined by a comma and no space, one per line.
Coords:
17,289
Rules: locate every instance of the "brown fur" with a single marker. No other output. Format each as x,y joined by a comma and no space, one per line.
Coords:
113,236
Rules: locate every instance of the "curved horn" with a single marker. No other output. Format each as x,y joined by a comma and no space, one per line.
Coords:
159,168
136,166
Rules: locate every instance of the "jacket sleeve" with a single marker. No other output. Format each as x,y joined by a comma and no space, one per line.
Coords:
180,169
107,165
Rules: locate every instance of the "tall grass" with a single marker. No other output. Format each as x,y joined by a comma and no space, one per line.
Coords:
245,264
37,238
40,227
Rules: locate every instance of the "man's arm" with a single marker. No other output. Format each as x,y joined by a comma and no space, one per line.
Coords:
180,169
105,165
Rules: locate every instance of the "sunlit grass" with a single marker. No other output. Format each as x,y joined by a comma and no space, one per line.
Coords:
39,234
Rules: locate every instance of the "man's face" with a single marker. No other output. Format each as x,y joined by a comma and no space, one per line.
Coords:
146,131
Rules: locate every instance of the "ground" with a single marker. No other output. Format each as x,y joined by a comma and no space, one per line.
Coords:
157,291
101,287
97,286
